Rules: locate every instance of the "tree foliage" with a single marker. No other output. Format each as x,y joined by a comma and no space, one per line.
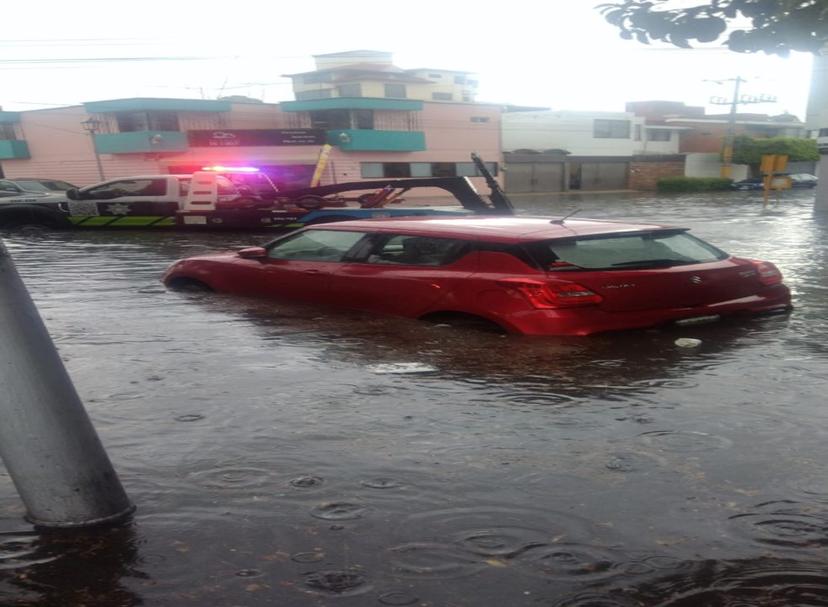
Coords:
746,26
747,150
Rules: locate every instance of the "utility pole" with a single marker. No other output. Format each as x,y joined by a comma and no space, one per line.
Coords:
734,102
92,126
47,442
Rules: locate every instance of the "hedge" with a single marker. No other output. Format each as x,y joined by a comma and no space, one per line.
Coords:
693,184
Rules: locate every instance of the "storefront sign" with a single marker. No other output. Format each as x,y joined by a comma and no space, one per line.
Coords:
255,137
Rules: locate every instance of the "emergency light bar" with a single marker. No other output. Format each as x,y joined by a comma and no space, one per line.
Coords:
223,169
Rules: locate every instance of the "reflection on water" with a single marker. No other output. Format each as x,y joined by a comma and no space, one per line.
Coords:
281,454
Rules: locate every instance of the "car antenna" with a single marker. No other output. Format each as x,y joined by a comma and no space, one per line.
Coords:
560,221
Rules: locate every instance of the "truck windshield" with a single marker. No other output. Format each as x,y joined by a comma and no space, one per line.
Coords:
617,251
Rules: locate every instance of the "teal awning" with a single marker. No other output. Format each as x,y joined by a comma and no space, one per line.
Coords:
352,103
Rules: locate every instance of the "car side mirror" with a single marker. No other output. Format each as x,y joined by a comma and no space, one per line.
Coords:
73,194
253,253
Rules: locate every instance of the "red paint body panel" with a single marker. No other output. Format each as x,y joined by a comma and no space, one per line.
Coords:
499,286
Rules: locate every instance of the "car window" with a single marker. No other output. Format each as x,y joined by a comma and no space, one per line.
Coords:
650,249
225,187
316,245
419,251
127,187
7,186
32,186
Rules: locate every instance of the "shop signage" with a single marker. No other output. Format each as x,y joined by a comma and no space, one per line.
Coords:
255,137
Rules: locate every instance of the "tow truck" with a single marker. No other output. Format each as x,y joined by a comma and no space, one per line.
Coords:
224,198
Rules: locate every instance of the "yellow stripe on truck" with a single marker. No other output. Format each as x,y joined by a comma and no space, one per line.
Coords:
126,221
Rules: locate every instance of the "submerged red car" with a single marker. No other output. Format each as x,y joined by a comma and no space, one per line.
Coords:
525,275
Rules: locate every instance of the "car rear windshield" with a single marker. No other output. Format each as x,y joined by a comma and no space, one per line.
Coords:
656,249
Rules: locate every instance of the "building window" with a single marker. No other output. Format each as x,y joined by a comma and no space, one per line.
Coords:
330,119
396,169
658,135
363,119
350,90
129,122
638,132
611,129
320,94
441,96
433,75
395,90
471,83
342,119
823,132
421,169
443,169
371,170
467,98
480,119
7,132
460,79
468,169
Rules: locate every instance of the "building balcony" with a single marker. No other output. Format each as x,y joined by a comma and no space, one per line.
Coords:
366,140
143,104
352,103
13,148
137,142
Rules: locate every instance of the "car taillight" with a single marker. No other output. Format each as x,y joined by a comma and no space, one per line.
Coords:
549,295
769,274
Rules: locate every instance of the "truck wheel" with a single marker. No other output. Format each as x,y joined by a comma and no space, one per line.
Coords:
24,220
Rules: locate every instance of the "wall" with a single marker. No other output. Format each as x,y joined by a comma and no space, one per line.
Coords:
710,165
61,149
571,131
646,171
646,146
817,113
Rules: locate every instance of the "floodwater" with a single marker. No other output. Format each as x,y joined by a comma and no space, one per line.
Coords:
281,455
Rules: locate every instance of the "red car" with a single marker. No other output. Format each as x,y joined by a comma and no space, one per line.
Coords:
525,275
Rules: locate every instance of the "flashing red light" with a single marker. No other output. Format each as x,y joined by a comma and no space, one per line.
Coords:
224,169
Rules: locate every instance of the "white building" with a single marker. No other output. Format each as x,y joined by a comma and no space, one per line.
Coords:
816,121
601,149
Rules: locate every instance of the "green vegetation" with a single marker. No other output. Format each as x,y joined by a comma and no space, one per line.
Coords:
776,27
747,150
693,184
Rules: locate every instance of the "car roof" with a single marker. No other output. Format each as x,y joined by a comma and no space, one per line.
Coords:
493,229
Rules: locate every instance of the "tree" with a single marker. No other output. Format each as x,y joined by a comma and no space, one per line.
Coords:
746,26
747,150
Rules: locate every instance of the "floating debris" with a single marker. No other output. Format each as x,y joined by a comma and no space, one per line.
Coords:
401,368
688,342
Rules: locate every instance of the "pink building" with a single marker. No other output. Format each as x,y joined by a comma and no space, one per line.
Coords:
371,137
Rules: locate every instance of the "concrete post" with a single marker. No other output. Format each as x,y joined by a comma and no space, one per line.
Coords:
47,442
821,202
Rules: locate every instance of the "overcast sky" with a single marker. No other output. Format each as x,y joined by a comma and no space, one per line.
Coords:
554,53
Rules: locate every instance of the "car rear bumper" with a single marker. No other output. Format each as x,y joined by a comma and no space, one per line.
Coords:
585,321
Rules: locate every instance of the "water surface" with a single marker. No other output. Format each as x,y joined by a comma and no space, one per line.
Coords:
277,458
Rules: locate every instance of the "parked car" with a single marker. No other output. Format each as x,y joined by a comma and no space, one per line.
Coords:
797,180
25,185
803,180
524,275
754,183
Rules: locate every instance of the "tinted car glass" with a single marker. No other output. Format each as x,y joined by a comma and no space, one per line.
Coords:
315,245
419,251
650,249
32,186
